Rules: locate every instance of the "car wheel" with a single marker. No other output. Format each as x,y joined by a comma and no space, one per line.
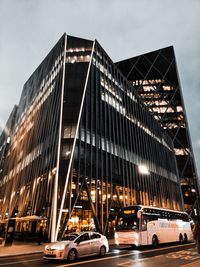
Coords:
155,241
185,238
102,251
72,255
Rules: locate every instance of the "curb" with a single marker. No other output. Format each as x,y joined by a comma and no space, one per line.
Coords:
20,254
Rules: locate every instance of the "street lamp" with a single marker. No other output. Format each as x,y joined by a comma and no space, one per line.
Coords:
143,169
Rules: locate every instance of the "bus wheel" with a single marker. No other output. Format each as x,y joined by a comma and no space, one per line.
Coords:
180,239
155,241
185,238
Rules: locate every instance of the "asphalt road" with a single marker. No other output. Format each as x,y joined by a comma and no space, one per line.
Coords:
165,256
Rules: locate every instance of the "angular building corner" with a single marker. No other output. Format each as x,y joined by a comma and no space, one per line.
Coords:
155,77
84,145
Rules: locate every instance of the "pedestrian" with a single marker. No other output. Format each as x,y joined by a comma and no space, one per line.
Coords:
40,235
196,234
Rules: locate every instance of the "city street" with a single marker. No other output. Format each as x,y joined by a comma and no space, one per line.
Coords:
168,255
99,133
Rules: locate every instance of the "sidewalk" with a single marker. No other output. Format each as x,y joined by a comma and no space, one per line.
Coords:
22,248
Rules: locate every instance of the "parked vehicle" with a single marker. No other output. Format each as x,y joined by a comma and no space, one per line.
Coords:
76,245
145,225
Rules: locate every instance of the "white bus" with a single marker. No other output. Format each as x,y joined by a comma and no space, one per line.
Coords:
145,225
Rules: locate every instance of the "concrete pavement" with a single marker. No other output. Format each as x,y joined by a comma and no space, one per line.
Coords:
21,248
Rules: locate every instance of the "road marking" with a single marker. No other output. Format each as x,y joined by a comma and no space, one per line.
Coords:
191,264
183,254
119,256
101,259
193,257
18,262
131,262
124,263
160,249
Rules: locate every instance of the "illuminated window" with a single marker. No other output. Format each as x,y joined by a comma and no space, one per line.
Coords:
69,131
181,151
66,151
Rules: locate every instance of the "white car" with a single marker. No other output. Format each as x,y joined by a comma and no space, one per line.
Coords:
77,245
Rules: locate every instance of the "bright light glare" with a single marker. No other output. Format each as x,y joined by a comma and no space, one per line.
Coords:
143,169
58,247
55,246
74,219
116,251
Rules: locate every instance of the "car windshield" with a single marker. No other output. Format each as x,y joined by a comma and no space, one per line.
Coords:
70,237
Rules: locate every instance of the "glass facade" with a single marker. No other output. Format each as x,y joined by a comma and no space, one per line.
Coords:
84,145
28,171
155,77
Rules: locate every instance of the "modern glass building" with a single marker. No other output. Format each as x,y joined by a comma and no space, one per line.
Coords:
155,77
83,145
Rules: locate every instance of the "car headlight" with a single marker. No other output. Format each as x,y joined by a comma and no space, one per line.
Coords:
116,235
46,247
61,247
56,247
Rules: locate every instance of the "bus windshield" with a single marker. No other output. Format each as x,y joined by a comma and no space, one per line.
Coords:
127,220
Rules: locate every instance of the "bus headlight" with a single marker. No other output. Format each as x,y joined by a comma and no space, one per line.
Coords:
136,243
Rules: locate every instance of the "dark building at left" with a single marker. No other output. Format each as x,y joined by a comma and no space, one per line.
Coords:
82,144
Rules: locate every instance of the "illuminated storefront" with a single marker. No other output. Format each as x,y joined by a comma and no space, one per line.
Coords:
83,146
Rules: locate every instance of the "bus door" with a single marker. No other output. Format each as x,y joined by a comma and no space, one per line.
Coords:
142,228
